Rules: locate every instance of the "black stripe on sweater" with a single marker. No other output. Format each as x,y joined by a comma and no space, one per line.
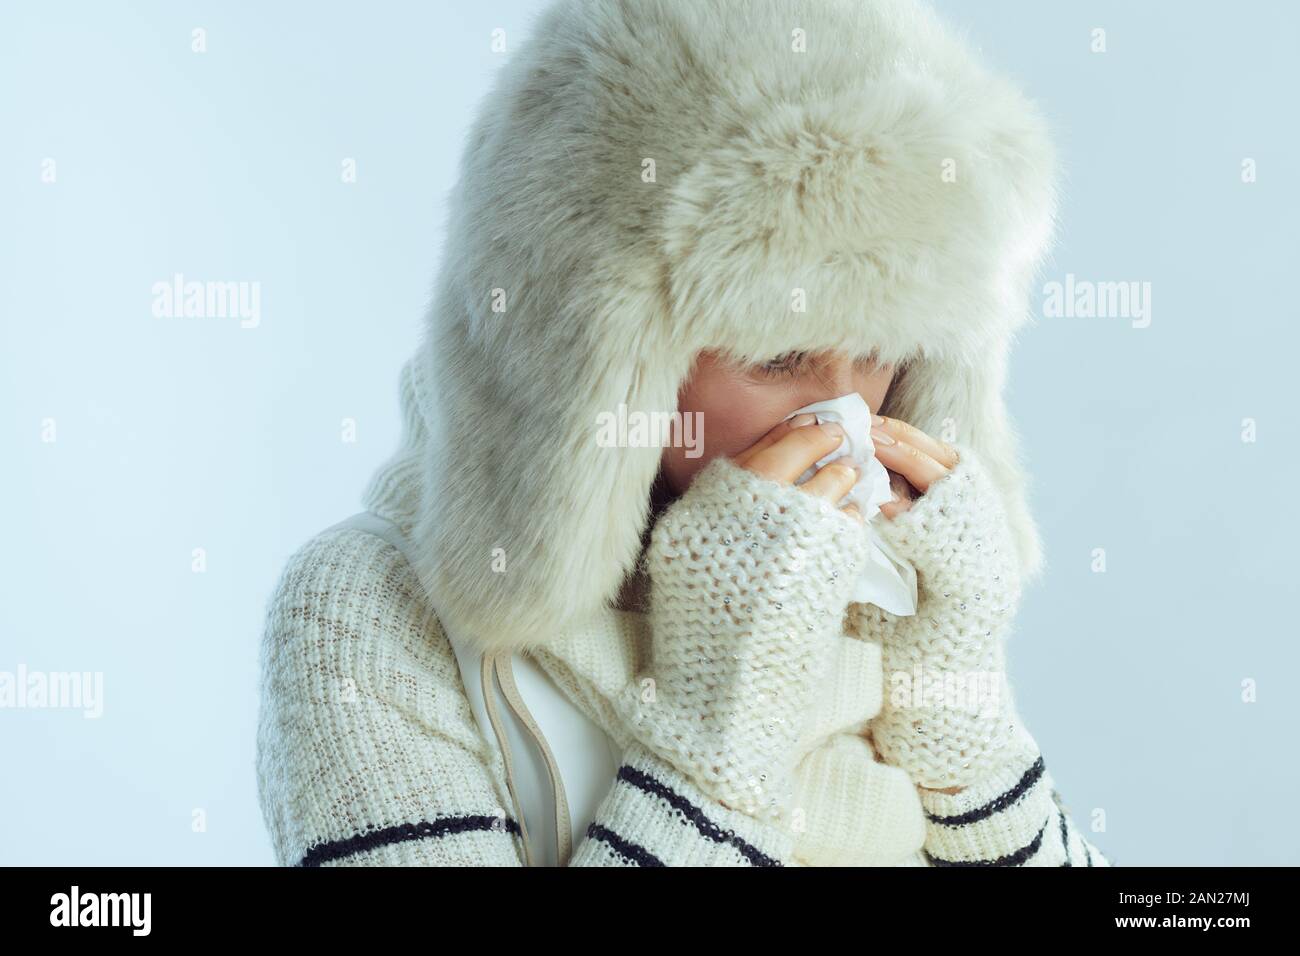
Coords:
425,829
1012,859
1066,819
1065,836
707,828
997,804
624,848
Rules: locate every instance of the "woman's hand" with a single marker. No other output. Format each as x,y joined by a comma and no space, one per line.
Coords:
794,446
914,460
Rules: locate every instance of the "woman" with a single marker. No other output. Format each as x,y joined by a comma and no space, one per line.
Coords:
735,210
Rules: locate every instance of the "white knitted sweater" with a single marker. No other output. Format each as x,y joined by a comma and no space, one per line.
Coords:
752,748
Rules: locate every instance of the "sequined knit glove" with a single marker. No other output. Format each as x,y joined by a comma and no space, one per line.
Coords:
947,717
749,584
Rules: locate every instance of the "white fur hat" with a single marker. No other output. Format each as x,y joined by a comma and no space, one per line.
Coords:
651,178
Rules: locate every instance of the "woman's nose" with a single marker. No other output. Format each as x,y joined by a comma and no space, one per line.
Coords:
838,378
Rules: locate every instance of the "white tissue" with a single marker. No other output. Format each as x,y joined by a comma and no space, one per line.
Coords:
888,581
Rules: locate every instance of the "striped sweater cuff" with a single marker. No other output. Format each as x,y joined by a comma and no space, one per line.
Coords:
1013,817
655,816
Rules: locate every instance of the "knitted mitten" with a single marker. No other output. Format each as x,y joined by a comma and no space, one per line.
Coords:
947,717
749,583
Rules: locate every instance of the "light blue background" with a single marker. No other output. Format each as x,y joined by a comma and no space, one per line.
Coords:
175,434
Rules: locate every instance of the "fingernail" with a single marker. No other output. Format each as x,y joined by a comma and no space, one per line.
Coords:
807,418
877,420
851,462
882,436
833,428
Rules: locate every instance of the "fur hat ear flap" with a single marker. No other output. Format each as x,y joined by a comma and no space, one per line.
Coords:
539,476
962,402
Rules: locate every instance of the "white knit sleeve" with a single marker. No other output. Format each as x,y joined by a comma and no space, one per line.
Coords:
368,753
654,815
1013,816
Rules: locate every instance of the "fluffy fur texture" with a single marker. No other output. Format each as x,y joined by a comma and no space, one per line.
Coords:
774,171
